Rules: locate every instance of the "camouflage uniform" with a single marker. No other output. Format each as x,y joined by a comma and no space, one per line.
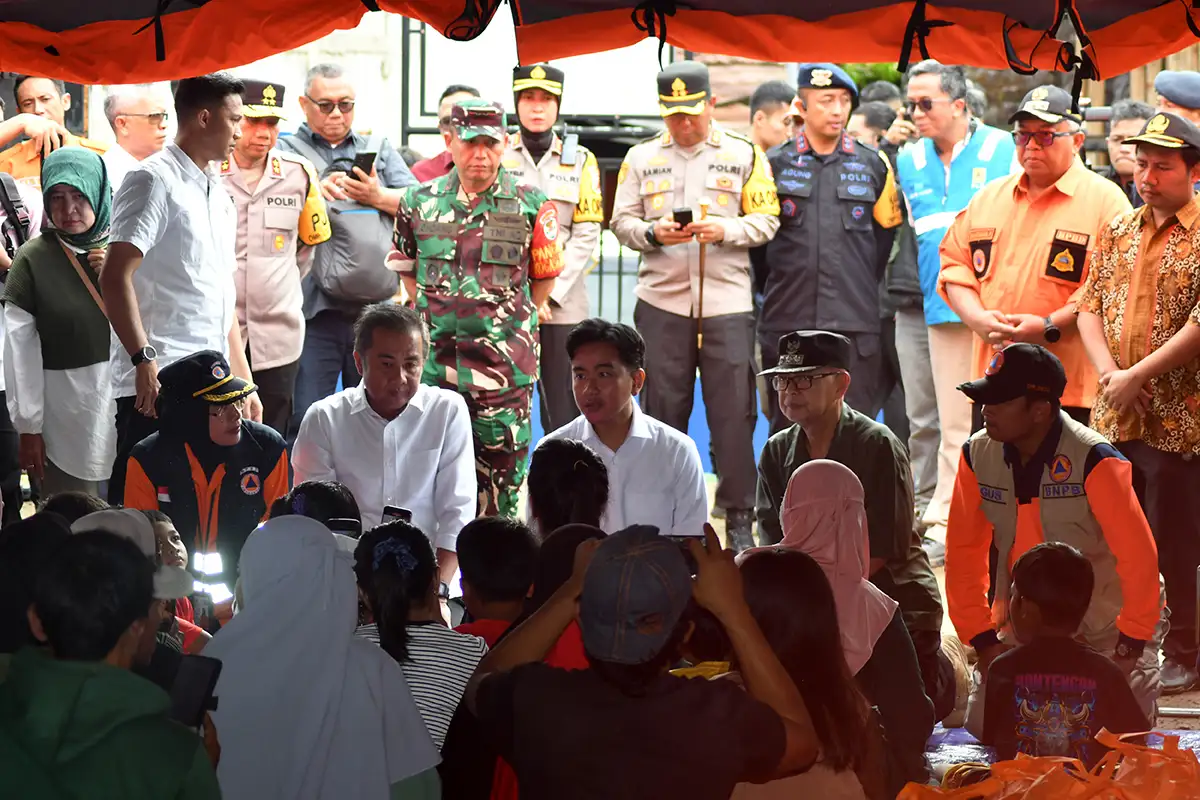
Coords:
474,264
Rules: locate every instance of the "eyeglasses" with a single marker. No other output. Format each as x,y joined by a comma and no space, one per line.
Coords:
157,118
326,106
222,411
926,104
797,382
1044,139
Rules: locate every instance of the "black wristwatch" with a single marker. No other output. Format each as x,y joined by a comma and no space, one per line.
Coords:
1129,648
443,591
1052,333
147,353
651,238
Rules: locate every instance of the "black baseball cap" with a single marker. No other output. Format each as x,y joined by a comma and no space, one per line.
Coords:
1019,370
203,376
808,351
1047,103
1168,130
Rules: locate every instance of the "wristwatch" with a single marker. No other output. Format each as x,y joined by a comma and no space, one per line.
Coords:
443,591
651,238
147,353
1052,333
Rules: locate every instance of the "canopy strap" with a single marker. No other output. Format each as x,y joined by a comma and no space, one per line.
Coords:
651,16
1189,9
918,28
370,4
160,42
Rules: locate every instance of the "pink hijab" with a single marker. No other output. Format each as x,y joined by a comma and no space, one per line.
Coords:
823,516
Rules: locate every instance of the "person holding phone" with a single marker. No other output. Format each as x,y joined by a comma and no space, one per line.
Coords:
281,218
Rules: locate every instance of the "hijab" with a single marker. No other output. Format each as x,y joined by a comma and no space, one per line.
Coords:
824,516
307,710
82,170
185,419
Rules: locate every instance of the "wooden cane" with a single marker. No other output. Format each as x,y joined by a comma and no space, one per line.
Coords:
700,309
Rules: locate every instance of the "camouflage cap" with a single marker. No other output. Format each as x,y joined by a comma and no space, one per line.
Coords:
471,118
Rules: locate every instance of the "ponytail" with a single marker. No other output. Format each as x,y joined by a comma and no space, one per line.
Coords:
395,566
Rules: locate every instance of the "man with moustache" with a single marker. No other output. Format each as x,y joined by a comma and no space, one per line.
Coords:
281,217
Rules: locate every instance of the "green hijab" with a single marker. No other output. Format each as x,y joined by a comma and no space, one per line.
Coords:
84,171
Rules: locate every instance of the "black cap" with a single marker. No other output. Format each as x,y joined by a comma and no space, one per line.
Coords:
203,376
825,76
1019,370
808,351
1048,104
1168,130
262,99
538,76
683,88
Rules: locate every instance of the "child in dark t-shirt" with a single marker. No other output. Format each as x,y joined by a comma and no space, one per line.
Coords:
1052,695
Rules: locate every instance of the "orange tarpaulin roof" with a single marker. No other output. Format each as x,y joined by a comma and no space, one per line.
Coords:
133,41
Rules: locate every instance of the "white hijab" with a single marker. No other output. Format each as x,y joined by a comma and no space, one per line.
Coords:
307,710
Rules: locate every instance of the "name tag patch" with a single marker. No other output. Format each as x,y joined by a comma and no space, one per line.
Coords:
993,494
1055,491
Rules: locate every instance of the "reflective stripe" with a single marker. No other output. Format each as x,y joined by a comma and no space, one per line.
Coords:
988,149
941,219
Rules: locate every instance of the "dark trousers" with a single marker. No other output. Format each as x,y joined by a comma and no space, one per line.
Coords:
132,427
865,394
726,365
10,466
558,400
936,672
1167,487
277,391
890,395
328,354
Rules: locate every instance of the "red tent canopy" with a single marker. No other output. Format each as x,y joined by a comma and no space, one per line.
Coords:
125,41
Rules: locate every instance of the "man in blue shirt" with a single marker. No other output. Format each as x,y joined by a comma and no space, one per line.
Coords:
938,175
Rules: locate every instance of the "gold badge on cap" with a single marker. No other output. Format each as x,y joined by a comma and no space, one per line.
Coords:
1158,124
678,88
793,347
821,77
269,95
1040,93
537,73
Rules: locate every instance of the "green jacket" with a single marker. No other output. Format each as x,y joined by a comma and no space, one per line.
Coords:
72,729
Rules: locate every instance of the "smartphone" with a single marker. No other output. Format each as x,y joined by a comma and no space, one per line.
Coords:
346,526
683,216
192,691
364,161
393,513
682,541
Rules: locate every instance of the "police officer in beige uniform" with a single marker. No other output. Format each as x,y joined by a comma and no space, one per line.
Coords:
568,174
696,160
281,215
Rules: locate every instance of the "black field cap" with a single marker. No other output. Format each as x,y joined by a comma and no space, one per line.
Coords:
538,76
1018,370
825,76
683,88
1168,130
808,351
203,376
262,100
1047,103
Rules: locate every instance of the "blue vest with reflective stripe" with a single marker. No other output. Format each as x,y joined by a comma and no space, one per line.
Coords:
935,200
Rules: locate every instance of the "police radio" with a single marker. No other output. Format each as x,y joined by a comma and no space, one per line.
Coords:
570,148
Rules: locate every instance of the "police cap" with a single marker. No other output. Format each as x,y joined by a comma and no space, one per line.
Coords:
683,88
538,76
1168,130
1181,87
262,100
826,76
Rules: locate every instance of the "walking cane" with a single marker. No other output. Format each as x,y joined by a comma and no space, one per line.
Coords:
700,308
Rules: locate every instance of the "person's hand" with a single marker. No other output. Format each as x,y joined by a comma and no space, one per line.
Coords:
670,232
47,133
1125,391
361,187
718,586
147,388
993,327
544,313
583,557
1028,328
331,188
901,131
707,231
32,452
95,257
990,654
211,745
253,409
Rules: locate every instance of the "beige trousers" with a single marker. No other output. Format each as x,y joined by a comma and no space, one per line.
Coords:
950,349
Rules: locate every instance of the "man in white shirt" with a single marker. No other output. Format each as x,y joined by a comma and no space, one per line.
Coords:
391,440
167,281
138,116
654,471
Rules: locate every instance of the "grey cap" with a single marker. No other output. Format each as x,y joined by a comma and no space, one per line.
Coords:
1181,87
635,590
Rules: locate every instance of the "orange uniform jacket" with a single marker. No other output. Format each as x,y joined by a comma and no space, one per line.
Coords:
1108,481
24,161
1032,258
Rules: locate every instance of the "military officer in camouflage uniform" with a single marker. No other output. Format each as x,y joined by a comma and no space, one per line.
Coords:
569,175
692,161
479,253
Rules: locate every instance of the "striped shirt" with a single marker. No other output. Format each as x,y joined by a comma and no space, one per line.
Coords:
440,662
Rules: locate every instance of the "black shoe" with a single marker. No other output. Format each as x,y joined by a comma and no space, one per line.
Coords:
739,530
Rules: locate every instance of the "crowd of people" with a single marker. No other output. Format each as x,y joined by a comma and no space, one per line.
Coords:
339,591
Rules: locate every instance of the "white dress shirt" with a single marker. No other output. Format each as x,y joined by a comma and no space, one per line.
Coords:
423,460
654,478
184,224
119,163
33,204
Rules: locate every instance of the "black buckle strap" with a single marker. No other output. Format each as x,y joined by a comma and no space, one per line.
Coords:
918,28
651,16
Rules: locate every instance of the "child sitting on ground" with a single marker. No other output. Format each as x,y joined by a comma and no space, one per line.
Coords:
497,557
1051,695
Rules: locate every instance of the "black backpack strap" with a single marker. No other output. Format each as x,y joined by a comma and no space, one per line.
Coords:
14,208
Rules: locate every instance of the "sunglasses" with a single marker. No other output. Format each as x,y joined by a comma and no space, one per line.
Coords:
326,106
1044,139
926,104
